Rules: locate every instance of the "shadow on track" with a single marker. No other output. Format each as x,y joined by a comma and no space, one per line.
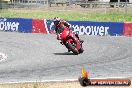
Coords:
66,53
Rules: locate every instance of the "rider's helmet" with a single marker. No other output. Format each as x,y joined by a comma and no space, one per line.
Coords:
56,21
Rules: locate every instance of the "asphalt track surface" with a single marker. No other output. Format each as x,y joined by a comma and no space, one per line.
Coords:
38,57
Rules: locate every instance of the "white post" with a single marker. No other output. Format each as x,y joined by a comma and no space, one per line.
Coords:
125,10
47,3
118,4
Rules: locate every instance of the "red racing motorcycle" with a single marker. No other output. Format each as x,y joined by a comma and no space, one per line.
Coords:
69,39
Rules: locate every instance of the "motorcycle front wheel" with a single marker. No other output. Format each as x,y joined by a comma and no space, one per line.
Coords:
81,50
72,48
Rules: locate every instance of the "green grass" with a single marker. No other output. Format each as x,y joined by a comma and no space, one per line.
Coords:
67,15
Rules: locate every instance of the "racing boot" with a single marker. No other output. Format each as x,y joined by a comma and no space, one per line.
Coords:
69,50
61,43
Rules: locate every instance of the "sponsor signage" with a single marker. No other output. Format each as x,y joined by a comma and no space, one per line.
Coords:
81,27
8,25
128,29
97,28
93,28
38,26
16,25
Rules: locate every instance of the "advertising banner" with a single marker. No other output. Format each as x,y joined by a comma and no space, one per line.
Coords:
97,28
50,26
128,29
38,26
47,26
93,28
16,25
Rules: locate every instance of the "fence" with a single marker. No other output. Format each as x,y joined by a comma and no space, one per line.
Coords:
91,6
36,3
28,3
82,3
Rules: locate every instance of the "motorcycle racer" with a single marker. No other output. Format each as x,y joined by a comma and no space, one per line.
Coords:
60,24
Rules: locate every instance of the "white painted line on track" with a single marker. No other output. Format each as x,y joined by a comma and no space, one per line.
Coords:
61,81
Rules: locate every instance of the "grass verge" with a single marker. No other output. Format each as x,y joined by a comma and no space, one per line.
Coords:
81,15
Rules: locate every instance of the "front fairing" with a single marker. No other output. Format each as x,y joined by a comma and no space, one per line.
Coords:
63,34
67,36
74,39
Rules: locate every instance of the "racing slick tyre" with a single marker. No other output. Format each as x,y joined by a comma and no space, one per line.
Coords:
72,48
81,50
